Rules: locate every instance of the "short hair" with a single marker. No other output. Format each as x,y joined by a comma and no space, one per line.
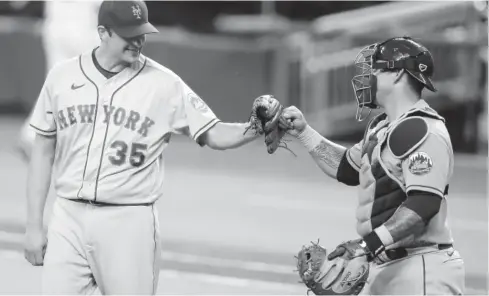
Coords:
416,85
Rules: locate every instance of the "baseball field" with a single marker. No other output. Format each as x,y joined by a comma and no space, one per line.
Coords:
232,221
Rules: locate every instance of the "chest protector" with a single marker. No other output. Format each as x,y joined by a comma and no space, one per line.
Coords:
382,187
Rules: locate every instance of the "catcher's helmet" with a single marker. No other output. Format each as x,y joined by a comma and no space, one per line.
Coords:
391,55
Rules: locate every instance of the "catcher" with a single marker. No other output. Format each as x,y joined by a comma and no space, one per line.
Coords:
402,166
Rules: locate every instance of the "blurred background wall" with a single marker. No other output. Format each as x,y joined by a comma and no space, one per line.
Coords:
301,51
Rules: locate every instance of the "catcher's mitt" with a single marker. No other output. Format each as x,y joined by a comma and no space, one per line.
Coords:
336,277
265,119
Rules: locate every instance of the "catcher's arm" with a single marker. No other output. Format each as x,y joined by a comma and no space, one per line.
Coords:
329,156
410,219
407,221
425,189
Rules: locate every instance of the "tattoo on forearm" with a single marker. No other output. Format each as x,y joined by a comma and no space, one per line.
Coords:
404,223
329,154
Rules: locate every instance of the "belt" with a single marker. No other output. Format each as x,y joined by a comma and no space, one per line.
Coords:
106,204
399,253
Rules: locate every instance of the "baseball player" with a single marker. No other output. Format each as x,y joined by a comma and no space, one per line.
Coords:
103,121
68,29
402,168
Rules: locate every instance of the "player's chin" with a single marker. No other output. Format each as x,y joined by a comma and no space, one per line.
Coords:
131,56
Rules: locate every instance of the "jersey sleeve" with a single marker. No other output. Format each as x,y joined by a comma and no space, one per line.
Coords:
193,116
354,155
428,168
43,119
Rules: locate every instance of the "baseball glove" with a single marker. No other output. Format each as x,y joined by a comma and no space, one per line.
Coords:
331,277
265,119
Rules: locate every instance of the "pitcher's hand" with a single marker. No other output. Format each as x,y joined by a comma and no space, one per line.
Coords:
35,242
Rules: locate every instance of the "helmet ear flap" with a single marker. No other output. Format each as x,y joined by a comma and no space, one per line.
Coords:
416,83
412,76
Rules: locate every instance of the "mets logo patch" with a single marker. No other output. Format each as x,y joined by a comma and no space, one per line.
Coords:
197,103
420,163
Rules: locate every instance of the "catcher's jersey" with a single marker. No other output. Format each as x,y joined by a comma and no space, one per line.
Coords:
111,133
386,179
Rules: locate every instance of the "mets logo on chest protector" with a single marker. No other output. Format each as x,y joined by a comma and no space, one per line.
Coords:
420,163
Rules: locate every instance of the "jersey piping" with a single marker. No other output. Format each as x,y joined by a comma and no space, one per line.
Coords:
93,128
108,74
205,127
107,129
48,133
155,250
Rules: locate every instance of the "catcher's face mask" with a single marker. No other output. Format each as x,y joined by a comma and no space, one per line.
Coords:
395,54
364,82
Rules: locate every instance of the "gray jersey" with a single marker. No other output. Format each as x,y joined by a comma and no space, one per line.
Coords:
111,133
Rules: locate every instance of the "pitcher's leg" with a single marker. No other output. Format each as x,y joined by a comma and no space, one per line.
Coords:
126,250
65,269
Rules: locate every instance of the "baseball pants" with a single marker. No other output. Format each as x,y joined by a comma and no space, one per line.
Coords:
101,249
425,271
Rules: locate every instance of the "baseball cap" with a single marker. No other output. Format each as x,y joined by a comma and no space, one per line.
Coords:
127,18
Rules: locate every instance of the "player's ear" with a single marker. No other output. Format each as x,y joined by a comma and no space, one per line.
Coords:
103,33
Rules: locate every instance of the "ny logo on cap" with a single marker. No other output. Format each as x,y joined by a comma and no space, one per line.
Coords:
136,11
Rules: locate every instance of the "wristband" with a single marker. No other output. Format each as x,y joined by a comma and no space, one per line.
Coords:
384,235
310,138
374,244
